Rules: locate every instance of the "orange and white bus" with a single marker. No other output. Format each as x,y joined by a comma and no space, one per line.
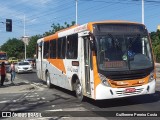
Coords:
99,60
3,57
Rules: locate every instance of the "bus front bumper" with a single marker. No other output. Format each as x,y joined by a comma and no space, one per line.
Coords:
103,92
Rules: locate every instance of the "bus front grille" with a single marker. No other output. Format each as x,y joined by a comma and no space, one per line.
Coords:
136,92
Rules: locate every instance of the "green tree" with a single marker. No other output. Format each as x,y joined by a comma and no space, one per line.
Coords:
31,48
155,36
13,47
57,27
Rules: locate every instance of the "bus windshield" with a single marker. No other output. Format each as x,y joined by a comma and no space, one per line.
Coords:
123,51
3,56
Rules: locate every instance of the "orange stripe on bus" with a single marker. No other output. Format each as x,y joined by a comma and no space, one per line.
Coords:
58,63
97,80
51,37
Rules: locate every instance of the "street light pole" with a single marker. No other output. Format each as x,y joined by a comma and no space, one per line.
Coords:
142,11
76,12
24,36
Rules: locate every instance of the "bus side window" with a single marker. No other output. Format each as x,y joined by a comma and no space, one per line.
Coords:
72,46
53,49
46,50
61,47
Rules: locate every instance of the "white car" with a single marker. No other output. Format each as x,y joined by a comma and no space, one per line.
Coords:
22,67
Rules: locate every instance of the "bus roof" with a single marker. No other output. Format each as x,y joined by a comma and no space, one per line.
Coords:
84,27
114,21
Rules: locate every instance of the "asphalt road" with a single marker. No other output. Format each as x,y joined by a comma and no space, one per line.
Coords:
58,99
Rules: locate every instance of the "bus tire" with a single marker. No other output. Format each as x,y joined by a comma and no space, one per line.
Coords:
79,91
48,80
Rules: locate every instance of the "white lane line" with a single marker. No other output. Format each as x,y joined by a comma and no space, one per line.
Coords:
5,101
19,108
33,103
55,110
29,96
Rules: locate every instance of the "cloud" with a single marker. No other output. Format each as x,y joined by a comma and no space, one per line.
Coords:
36,3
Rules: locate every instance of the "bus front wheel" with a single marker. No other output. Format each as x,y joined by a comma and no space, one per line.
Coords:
48,80
79,91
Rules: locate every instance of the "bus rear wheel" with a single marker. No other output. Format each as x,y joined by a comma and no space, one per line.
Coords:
48,80
79,91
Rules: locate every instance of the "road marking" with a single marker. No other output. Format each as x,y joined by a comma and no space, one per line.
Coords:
53,105
43,98
15,109
15,100
29,96
5,101
55,110
33,103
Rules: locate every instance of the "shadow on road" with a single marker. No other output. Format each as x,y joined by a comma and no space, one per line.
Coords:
126,101
14,84
142,99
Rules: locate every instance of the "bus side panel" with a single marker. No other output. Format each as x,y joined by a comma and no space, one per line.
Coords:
57,70
70,71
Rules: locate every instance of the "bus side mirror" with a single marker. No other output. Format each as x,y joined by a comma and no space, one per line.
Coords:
92,41
92,45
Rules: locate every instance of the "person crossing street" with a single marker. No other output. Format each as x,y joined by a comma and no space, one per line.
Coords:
12,71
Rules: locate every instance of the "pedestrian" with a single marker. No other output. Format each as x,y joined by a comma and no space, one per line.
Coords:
3,73
12,71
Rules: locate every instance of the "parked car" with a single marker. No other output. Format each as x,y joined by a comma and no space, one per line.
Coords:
13,59
31,61
22,67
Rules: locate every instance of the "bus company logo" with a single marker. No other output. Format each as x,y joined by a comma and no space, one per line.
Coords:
6,114
130,90
80,28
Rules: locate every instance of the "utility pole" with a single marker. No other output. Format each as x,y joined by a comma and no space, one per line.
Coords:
76,12
142,11
25,38
24,26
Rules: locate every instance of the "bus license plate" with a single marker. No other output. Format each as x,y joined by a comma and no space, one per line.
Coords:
129,90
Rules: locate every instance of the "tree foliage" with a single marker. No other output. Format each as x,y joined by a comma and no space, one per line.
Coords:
155,36
57,27
13,47
31,48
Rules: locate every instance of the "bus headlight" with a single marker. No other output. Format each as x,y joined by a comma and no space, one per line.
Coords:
151,77
104,80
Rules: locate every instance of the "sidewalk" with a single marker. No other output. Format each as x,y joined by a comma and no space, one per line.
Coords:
19,86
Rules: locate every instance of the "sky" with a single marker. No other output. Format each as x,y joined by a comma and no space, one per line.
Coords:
38,15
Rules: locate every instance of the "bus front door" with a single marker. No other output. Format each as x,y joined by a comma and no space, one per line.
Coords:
87,64
39,61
